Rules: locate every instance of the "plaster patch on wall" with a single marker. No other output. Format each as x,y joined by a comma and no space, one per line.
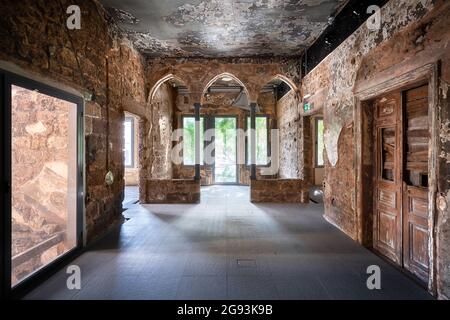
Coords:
331,138
338,115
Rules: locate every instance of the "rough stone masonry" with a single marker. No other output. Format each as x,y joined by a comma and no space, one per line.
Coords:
102,62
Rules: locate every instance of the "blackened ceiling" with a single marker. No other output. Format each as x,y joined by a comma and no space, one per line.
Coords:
345,23
222,28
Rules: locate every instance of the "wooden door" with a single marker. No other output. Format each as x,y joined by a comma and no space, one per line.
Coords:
415,189
388,180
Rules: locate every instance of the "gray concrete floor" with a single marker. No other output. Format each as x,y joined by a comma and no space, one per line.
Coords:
131,196
227,248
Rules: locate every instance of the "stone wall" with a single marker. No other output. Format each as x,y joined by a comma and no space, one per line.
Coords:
289,130
160,136
95,60
155,138
413,33
173,191
279,191
305,150
196,73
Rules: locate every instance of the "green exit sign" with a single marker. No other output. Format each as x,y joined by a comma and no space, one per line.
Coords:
306,106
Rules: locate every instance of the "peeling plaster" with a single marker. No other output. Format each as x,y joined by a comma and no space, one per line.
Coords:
443,276
442,203
217,28
413,33
122,16
445,131
331,138
445,156
444,135
343,69
339,115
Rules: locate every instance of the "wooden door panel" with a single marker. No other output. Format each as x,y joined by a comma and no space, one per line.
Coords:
418,238
419,207
401,179
416,234
417,136
387,109
387,234
387,197
387,202
415,188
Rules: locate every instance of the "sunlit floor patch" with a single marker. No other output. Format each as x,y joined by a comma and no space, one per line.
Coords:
228,248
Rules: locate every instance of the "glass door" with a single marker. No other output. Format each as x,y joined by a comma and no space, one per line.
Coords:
44,176
225,155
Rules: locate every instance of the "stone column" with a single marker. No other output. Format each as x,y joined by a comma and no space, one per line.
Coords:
197,140
144,158
252,141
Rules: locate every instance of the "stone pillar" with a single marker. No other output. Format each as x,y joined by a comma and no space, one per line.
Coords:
306,141
253,141
197,140
144,157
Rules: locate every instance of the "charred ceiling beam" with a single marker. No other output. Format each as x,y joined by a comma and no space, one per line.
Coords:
347,21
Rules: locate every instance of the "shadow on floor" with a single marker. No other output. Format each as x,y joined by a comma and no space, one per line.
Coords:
130,197
228,248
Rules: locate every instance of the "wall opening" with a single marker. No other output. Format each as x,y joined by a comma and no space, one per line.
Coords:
318,150
222,115
225,170
44,201
131,157
396,133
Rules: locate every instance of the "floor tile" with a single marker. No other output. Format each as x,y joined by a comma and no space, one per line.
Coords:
227,247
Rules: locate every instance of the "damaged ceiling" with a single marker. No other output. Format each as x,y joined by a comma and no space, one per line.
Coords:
222,28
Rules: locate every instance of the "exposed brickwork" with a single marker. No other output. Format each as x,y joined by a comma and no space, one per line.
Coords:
98,61
33,36
288,125
197,73
306,150
159,138
339,204
173,191
279,191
